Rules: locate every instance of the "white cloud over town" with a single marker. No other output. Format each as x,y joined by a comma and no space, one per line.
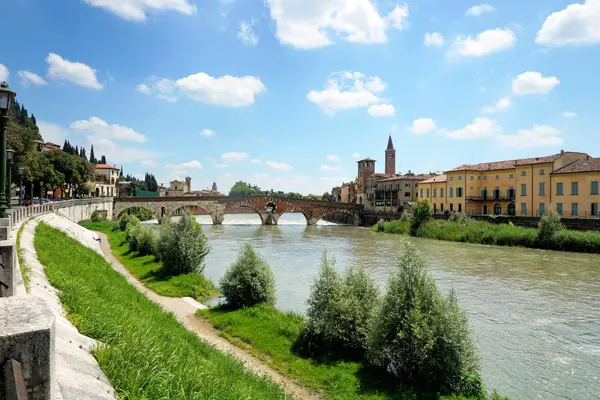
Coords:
480,9
485,43
60,69
422,126
135,10
434,39
234,156
502,105
533,83
537,136
29,78
576,25
480,128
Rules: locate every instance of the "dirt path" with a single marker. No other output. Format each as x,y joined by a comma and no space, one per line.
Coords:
185,313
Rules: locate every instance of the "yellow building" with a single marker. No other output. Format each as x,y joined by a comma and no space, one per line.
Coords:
575,189
523,187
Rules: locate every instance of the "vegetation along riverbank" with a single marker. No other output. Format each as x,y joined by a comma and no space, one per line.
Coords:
550,233
137,247
146,353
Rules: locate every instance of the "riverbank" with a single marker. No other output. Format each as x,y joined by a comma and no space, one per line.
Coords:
271,334
147,353
480,232
147,268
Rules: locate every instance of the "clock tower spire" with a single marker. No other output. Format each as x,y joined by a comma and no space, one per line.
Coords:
390,158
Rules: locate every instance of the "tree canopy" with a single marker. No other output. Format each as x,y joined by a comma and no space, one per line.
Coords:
242,188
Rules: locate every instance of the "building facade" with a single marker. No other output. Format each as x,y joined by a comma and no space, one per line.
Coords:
566,182
106,182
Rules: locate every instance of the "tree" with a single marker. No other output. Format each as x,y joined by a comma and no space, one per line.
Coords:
82,153
326,196
241,188
102,160
421,213
121,173
92,156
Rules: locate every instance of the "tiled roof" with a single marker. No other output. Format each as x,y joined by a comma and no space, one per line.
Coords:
590,165
365,159
507,164
378,174
105,166
418,177
436,179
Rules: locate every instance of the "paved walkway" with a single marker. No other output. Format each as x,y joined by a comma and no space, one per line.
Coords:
77,372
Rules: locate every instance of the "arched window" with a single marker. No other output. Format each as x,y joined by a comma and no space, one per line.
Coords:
497,209
512,210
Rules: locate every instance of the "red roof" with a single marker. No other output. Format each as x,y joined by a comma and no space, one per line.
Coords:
589,165
105,166
435,179
507,164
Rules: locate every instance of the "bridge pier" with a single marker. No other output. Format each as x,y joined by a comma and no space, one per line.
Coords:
217,218
269,218
312,221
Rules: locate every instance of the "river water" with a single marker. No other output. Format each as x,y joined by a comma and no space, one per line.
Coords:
535,313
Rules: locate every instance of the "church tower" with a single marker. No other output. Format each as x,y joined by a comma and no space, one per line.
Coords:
390,158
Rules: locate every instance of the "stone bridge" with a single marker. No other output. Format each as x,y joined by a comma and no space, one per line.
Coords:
269,208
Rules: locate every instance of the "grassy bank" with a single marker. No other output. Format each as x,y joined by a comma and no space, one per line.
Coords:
147,353
148,270
271,335
25,268
498,234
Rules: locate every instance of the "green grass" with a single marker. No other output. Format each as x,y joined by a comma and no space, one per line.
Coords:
270,335
147,268
147,353
498,234
25,268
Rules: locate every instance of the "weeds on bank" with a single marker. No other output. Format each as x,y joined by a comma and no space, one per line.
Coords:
147,353
25,268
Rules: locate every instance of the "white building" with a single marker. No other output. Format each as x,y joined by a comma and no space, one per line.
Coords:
106,181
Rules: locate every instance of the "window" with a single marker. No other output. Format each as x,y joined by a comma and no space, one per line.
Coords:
451,192
559,188
594,187
427,193
479,177
451,207
542,189
523,173
406,194
497,177
472,177
442,207
459,207
574,188
460,177
542,172
542,208
559,208
523,189
459,192
511,176
485,178
451,178
574,209
595,209
523,208
434,192
442,192
421,192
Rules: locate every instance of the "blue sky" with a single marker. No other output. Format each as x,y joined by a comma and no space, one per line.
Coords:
289,93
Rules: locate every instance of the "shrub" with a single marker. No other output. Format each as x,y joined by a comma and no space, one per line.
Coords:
460,218
339,313
248,281
143,214
548,227
379,226
421,335
132,236
147,241
97,216
421,213
406,216
182,246
124,221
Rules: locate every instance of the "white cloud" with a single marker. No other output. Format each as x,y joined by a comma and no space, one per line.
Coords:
53,132
332,158
227,90
355,155
161,87
221,166
314,23
326,167
503,104
348,90
434,39
234,156
533,83
486,42
143,88
278,165
99,129
578,24
569,114
135,10
149,163
80,74
256,161
4,74
480,9
194,164
478,129
423,125
382,110
29,78
207,133
247,34
538,136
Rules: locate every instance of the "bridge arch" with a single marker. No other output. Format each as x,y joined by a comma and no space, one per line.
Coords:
350,218
127,209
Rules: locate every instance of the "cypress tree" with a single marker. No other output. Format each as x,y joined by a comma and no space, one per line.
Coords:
92,157
102,160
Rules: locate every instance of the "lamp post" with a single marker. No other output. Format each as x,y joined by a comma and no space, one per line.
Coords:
10,153
31,191
41,191
6,99
20,187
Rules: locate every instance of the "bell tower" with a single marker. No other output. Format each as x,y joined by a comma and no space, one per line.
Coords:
390,158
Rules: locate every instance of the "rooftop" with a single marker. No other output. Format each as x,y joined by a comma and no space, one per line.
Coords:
366,159
435,179
105,166
408,176
508,164
589,165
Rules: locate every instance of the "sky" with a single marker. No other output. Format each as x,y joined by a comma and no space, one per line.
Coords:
289,94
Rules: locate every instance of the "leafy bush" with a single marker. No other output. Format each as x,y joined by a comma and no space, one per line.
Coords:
132,236
339,313
147,241
397,226
460,218
406,216
422,213
125,220
249,280
143,214
182,246
421,335
548,227
97,216
379,226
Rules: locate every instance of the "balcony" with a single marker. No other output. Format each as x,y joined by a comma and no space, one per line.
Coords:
495,196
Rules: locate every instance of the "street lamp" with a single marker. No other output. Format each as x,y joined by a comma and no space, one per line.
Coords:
10,153
6,99
21,186
41,191
31,190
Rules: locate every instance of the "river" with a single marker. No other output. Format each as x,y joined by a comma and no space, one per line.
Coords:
535,313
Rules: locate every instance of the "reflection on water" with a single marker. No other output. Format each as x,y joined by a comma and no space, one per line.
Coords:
535,313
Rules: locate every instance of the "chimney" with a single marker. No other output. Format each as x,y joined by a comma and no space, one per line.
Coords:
562,152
